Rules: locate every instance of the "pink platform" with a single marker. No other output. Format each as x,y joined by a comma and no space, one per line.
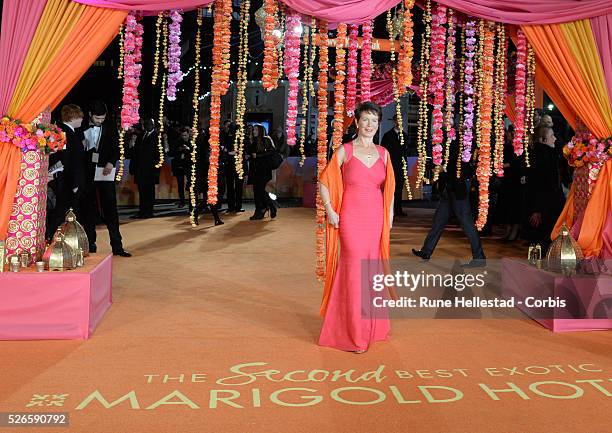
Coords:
589,297
55,305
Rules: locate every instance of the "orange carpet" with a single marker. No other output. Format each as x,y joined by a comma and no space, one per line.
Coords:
192,305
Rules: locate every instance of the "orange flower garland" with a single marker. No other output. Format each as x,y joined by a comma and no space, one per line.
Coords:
322,145
339,86
404,67
500,96
270,61
219,86
483,169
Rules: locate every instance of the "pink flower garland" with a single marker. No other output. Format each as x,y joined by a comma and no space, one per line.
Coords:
468,90
366,61
450,82
131,71
437,80
175,75
520,87
351,86
292,70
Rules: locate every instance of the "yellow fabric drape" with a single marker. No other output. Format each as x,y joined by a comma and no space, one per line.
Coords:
552,49
95,29
581,41
57,22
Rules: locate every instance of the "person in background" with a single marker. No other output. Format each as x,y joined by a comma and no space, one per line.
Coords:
66,170
180,151
453,197
260,173
510,203
280,141
391,142
233,183
102,144
545,196
146,175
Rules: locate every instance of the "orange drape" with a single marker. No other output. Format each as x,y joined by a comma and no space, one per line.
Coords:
331,177
553,51
552,90
96,28
590,238
511,108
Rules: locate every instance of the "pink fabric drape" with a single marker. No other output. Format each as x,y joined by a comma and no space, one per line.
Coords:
531,11
345,11
19,22
148,7
602,30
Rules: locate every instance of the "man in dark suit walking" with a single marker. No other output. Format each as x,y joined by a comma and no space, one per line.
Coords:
142,166
102,148
391,142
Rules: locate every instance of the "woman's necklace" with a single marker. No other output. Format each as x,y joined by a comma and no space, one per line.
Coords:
367,148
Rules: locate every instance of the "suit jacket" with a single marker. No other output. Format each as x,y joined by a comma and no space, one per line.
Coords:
145,157
391,142
74,159
108,148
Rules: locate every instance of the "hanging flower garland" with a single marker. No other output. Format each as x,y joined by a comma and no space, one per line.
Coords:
468,90
351,80
305,93
270,61
404,67
162,100
449,127
313,56
396,97
158,30
132,52
292,70
121,52
423,127
436,80
461,94
283,30
366,61
529,100
241,86
196,118
500,96
339,86
322,146
219,85
478,91
175,75
483,170
520,89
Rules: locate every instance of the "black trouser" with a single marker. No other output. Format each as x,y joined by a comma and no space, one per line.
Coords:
201,205
397,201
461,209
146,196
262,199
180,180
101,197
56,216
234,188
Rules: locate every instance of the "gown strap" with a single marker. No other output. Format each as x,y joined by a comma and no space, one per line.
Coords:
381,153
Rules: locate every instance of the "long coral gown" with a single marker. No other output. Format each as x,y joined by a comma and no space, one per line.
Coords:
349,325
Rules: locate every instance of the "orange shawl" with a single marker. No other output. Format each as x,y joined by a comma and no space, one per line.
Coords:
332,179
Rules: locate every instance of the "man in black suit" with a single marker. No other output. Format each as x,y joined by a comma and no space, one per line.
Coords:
391,142
142,166
453,197
233,183
102,148
68,168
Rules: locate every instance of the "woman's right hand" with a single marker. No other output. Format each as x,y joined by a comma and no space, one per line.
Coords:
333,218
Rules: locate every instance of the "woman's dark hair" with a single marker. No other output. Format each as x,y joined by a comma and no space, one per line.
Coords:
263,143
368,107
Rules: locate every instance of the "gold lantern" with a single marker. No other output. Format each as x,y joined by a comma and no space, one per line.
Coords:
564,254
74,234
59,255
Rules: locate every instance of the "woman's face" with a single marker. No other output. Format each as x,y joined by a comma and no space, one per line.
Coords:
367,125
185,135
255,132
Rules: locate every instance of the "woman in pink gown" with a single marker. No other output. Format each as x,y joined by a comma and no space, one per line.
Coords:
362,218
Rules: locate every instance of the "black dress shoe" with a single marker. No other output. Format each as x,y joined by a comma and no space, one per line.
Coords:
219,223
421,254
475,263
122,253
93,248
